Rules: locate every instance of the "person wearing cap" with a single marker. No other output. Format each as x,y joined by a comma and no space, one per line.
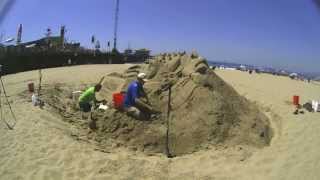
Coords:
134,104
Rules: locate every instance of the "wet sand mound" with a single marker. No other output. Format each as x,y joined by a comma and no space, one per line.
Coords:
205,111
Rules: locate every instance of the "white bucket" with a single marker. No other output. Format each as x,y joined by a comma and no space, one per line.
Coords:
315,105
34,99
103,107
76,95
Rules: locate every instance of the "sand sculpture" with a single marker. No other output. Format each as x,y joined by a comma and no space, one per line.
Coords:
205,111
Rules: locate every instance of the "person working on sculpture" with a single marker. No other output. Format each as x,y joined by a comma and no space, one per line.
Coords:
88,97
136,102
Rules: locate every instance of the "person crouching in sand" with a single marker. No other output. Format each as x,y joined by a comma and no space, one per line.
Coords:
87,99
136,102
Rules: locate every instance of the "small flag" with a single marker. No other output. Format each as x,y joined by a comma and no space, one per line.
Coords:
93,39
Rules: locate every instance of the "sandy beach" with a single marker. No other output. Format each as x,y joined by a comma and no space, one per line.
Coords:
42,146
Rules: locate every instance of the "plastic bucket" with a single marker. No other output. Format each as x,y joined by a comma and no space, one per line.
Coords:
296,100
31,87
118,99
76,95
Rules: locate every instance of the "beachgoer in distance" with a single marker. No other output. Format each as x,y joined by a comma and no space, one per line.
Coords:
136,102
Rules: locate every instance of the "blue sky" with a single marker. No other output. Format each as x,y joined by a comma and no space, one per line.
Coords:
276,33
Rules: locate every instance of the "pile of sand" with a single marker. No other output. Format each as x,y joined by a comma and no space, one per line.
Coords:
205,111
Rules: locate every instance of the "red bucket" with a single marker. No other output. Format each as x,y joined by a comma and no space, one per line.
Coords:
296,100
31,87
118,99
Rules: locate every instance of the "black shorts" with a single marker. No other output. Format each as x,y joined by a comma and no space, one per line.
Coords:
85,107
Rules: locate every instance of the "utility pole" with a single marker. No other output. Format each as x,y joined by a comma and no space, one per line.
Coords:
116,25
